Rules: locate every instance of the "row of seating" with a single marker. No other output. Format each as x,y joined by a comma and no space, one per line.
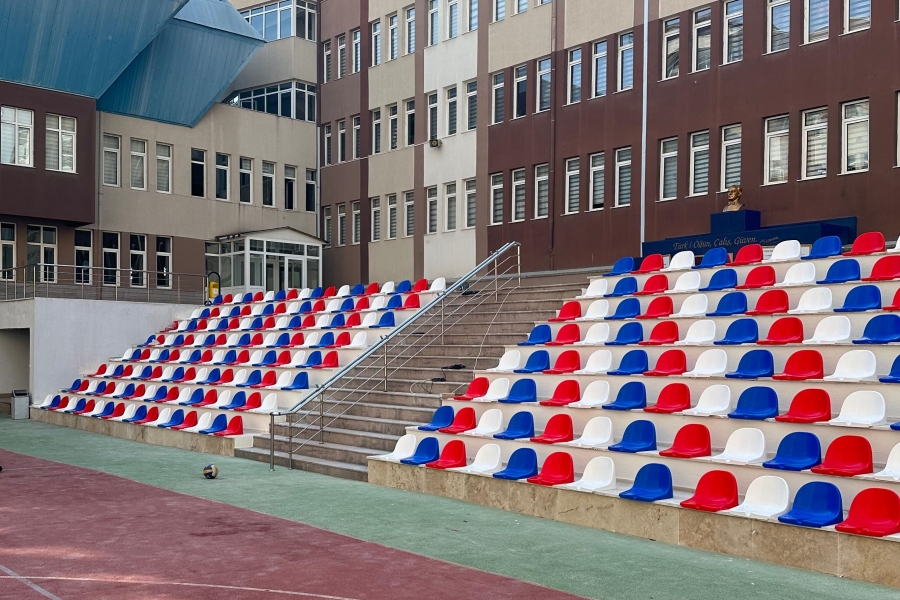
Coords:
184,396
338,321
259,358
257,379
307,308
360,289
209,342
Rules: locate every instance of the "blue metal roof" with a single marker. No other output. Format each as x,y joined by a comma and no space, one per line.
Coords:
217,14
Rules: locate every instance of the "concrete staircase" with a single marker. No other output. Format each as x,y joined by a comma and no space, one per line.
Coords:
363,418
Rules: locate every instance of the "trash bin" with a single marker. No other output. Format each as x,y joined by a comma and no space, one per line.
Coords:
19,404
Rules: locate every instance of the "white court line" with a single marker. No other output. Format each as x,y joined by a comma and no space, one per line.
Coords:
34,586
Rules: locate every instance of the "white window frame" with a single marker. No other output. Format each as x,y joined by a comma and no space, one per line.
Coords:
668,158
166,160
771,5
452,110
471,204
807,11
696,27
342,56
598,170
575,87
137,277
806,132
356,140
623,163
726,30
572,205
376,131
671,34
451,206
61,134
499,10
268,174
375,209
203,163
452,19
431,210
625,47
541,180
544,85
410,30
697,148
471,105
726,144
290,187
393,222
393,37
498,88
433,125
245,167
8,271
326,61
517,198
112,153
410,120
342,141
83,273
601,56
375,28
520,79
326,228
342,224
164,260
769,138
328,155
19,120
434,23
847,24
846,123
521,6
117,252
496,199
409,214
227,169
393,127
356,51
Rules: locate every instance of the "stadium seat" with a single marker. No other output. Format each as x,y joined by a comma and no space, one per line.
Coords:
301,382
786,330
464,420
767,497
824,247
558,469
723,279
797,451
541,334
867,243
874,512
599,474
598,363
176,418
567,392
711,363
754,364
894,375
623,266
799,274
190,420
802,365
841,271
816,504
631,396
487,460
659,308
693,306
785,251
700,333
597,432
655,284
594,395
653,482
744,446
673,398
855,365
442,417
756,403
569,312
639,436
812,301
567,335
628,308
624,287
895,302
847,456
509,362
716,490
629,333
567,362
811,405
740,331
235,427
885,269
220,423
686,282
596,311
691,441
522,464
522,390
597,335
538,361
881,329
421,285
771,302
670,362
733,303
521,425
861,298
558,429
747,255
453,455
681,261
404,287
634,362
491,422
596,289
831,330
759,277
498,390
891,471
662,333
427,451
715,257
650,264
863,408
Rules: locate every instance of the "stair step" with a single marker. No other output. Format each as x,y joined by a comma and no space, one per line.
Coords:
306,463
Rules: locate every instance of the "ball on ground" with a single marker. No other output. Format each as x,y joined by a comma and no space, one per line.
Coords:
210,471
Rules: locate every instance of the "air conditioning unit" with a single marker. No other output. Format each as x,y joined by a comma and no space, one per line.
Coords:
434,142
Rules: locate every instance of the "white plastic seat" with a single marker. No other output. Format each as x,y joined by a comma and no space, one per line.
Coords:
487,460
784,251
246,323
270,296
855,365
293,308
891,471
283,380
490,423
597,432
98,408
767,497
282,322
681,261
323,321
711,363
224,399
333,305
297,359
831,330
370,319
344,290
154,355
744,446
311,340
184,394
257,310
182,325
596,335
700,333
127,355
233,340
596,311
863,408
388,287
199,340
359,340
270,339
167,373
47,402
218,356
803,273
119,389
202,374
438,285
499,388
129,412
813,300
269,404
149,392
686,282
896,247
404,448
598,363
509,362
239,378
196,313
164,415
255,357
377,303
594,395
599,474
596,289
714,400
204,423
693,306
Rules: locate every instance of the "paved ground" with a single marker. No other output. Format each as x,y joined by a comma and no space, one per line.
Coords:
577,560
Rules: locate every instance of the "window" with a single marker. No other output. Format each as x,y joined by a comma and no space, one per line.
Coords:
496,199
573,185
699,163
857,16
137,254
16,135
60,144
626,61
599,69
409,209
499,10
432,116
376,43
779,29
198,172
393,38
326,224
598,180
623,177
392,112
452,18
163,262
473,15
111,144
731,156
816,21
668,169
40,248
357,222
432,205
246,180
520,93
342,224
671,31
432,22
776,163
498,98
541,191
356,37
295,100
342,56
164,168
326,49
306,20
702,37
543,99
392,216
471,105
268,184
451,111
328,144
410,122
521,6
814,153
410,30
273,21
376,132
83,239
110,255
471,207
8,252
310,190
221,176
375,206
855,137
734,31
518,185
574,76
290,184
342,141
356,141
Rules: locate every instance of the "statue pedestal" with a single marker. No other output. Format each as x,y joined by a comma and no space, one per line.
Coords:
733,222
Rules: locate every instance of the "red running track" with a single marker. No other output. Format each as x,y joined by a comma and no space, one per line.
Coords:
74,534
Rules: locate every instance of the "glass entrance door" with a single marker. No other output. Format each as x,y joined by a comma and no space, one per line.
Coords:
275,273
294,275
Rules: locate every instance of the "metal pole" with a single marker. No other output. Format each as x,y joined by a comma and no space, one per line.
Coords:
290,426
496,284
385,367
322,418
271,439
179,289
442,321
519,263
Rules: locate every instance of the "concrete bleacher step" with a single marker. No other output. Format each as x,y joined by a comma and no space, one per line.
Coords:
305,463
377,442
360,423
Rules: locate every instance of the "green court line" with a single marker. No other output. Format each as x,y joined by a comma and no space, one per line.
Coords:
592,563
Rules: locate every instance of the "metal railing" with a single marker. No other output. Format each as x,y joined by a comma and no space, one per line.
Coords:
497,273
101,283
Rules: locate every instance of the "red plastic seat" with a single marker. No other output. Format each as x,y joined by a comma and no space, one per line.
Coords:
88,407
811,405
172,394
747,255
152,415
234,324
241,357
659,308
372,288
885,269
802,364
673,398
895,303
353,320
145,354
256,340
771,302
308,322
716,490
293,294
253,401
867,243
665,332
343,339
138,392
221,339
227,299
214,312
330,292
464,420
85,383
190,420
691,441
655,284
118,411
64,404
280,308
557,470
283,359
258,297
246,310
651,263
189,374
227,377
420,286
211,397
101,370
452,456
319,305
330,361
411,302
156,373
235,427
670,362
567,362
173,356
568,334
269,323
566,392
268,378
786,330
874,512
126,372
360,305
759,277
478,387
296,340
558,429
569,312
847,456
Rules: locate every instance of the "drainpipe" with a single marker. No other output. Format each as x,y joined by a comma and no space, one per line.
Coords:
644,125
551,176
318,202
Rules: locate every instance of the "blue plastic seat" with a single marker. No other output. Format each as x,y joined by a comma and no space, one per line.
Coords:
177,418
239,400
336,321
294,323
268,309
218,424
314,358
244,340
128,391
357,290
75,385
82,402
223,325
192,326
345,305
150,340
164,355
824,247
442,417
107,410
742,331
235,311
635,362
521,425
301,382
798,451
254,378
161,393
387,320
522,465
754,364
283,340
639,436
213,376
217,300
733,303
316,293
194,357
881,329
842,271
538,361
427,451
894,375
817,504
101,389
267,360
306,307
230,357
404,287
146,373
139,414
623,266
861,298
541,334
523,390
629,333
256,324
755,404
280,295
713,258
624,287
196,398
117,372
394,302
57,399
723,279
653,482
628,308
178,341
327,339
631,396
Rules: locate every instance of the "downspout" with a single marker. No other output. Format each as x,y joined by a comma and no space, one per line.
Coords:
551,220
644,125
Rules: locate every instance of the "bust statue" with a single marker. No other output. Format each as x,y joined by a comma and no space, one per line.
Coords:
734,199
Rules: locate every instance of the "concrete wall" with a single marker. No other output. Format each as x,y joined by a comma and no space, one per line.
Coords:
14,368
520,38
582,24
279,60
